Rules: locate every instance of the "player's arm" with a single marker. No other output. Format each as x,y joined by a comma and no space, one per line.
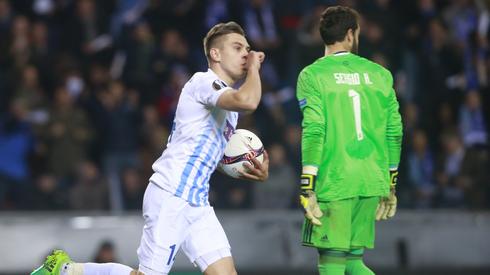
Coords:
247,97
394,133
313,134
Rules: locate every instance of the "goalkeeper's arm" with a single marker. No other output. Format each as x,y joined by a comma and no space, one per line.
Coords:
394,133
314,130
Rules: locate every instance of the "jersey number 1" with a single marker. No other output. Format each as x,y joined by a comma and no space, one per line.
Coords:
356,103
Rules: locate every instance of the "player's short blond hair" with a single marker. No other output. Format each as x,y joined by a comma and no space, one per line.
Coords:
219,30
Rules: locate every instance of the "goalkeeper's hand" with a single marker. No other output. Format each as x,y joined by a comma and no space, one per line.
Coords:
308,200
387,205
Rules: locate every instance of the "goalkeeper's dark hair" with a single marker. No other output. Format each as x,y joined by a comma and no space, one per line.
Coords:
218,31
336,21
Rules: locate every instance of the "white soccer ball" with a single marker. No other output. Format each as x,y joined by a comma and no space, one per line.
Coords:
241,148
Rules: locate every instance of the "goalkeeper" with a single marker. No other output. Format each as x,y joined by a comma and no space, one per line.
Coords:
351,146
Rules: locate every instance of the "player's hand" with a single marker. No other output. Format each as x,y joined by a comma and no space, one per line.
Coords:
387,205
308,199
255,59
258,171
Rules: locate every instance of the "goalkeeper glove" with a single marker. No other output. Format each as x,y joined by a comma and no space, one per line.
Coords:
387,205
308,200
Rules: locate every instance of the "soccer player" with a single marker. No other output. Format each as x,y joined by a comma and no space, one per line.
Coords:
351,144
176,210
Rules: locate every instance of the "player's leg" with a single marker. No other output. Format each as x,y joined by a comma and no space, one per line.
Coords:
355,264
223,266
59,263
363,224
54,263
207,246
331,262
166,226
96,269
332,238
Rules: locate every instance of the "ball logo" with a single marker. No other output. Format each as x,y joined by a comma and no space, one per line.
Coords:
243,147
247,156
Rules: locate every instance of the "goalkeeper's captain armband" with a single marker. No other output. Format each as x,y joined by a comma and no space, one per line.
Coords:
307,182
393,177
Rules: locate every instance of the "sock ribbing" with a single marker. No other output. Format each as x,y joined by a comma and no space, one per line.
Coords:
332,262
355,265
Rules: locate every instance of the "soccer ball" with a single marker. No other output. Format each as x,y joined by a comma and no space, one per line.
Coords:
242,147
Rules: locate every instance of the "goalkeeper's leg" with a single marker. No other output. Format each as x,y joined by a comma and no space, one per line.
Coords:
355,265
332,262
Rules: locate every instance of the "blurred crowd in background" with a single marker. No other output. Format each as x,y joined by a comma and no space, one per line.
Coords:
88,91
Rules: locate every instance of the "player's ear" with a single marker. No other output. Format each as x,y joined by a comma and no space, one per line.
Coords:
349,36
215,54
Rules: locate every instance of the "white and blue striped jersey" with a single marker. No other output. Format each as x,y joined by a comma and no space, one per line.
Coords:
197,141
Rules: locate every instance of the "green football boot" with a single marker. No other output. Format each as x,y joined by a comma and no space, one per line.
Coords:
53,264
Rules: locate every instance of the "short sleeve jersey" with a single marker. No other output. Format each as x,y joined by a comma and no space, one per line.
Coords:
197,141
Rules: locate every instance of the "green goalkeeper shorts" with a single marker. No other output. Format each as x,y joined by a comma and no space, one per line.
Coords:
346,224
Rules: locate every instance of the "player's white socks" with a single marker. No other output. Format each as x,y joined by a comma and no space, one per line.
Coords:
71,269
95,269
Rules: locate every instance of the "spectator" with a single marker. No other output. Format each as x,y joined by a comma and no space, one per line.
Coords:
475,177
260,25
85,32
67,135
105,253
16,144
451,188
19,45
32,95
471,123
310,42
261,28
170,92
119,124
138,68
280,189
42,54
90,189
153,136
47,194
174,53
133,188
421,170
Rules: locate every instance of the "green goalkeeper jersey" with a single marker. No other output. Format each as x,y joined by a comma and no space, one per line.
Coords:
352,128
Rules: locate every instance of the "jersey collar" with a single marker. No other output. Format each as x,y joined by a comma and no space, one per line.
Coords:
340,53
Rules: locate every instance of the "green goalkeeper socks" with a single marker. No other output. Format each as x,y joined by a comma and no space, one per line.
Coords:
332,262
355,265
